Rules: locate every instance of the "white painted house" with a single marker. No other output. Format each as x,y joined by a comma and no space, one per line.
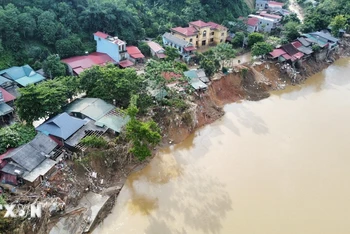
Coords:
265,24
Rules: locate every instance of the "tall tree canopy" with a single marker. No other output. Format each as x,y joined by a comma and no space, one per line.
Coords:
111,84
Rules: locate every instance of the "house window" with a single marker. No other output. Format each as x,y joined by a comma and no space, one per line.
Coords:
197,36
222,34
211,39
204,33
268,24
190,39
180,49
221,40
212,33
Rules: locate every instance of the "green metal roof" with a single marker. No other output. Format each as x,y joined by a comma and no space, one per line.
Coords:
5,109
191,74
197,84
114,122
94,108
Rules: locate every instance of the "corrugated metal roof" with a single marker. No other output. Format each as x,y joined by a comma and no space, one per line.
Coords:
81,133
5,109
114,122
24,75
40,170
126,63
188,31
6,95
134,52
94,108
80,63
4,80
176,40
155,46
101,34
277,52
62,125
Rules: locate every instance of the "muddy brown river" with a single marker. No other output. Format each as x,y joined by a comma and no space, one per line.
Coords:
277,166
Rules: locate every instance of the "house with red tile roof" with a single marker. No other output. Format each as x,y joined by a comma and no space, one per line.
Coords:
78,64
6,103
201,33
156,50
134,54
252,24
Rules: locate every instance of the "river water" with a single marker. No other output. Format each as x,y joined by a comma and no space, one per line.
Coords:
277,166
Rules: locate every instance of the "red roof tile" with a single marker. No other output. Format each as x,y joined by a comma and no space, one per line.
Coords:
253,21
214,25
277,52
134,52
126,63
190,48
298,55
101,34
199,23
189,31
6,95
155,46
276,3
271,16
286,56
296,44
80,63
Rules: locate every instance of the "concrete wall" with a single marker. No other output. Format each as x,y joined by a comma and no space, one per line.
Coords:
107,47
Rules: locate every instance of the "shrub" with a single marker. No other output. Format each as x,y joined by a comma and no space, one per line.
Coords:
94,141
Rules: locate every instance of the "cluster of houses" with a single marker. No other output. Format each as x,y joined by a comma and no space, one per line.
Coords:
197,34
10,80
302,47
267,18
31,163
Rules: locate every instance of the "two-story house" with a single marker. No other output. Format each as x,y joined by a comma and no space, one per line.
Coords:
112,46
200,33
265,24
185,48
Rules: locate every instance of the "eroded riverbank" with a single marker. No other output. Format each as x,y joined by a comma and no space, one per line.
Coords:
244,174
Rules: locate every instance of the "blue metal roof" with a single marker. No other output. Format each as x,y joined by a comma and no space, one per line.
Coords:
24,75
63,126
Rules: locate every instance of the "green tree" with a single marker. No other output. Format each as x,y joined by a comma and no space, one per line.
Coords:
143,46
274,41
254,38
15,135
291,30
111,83
224,53
261,48
238,39
47,27
338,22
69,47
43,100
94,141
143,135
53,67
171,53
209,62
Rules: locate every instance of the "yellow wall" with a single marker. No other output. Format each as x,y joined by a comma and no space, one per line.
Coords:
220,36
216,37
